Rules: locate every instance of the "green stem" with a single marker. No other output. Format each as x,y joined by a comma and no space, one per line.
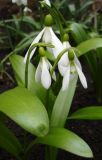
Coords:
31,145
60,14
57,60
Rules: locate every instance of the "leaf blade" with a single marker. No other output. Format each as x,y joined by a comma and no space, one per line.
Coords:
8,141
88,113
62,105
67,140
89,45
26,110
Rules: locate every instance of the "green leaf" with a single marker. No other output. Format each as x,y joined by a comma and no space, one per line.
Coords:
78,32
89,45
26,110
9,142
50,56
67,140
19,68
93,113
62,105
29,20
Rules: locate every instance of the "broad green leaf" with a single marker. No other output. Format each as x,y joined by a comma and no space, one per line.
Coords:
8,141
78,32
89,45
93,113
26,110
19,68
67,140
62,105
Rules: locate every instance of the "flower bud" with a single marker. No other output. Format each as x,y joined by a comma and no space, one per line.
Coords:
65,37
71,54
41,51
48,21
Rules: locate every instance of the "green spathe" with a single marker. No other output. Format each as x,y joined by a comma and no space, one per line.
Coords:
48,21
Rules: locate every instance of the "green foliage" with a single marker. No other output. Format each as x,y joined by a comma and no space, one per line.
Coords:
9,142
88,113
26,110
35,109
62,105
67,140
19,69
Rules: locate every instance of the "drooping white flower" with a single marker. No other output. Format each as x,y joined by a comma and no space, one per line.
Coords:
26,9
47,2
48,36
42,73
20,2
69,67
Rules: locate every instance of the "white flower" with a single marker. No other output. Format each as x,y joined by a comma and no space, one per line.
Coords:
20,2
26,9
42,73
68,68
47,2
48,36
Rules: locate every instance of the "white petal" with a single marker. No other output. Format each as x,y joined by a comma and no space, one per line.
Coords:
66,44
56,42
47,38
81,76
62,69
66,79
53,75
64,60
47,35
38,72
77,61
47,2
45,76
36,40
24,2
26,9
63,64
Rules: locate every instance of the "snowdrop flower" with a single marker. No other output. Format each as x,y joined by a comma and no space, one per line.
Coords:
48,36
20,2
69,65
26,9
42,73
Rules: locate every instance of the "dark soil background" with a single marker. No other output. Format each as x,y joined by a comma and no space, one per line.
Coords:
90,131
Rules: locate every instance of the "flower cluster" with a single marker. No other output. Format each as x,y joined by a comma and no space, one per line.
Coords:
22,2
68,64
